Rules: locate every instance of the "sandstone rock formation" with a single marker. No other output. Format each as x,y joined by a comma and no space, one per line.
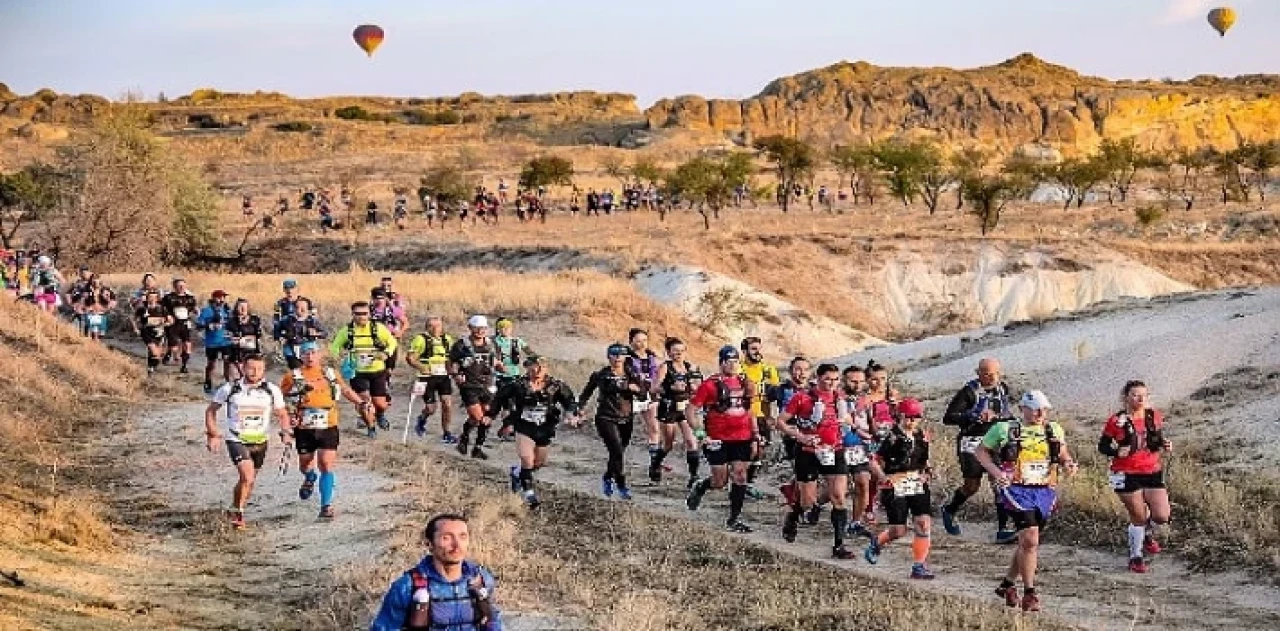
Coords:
1021,101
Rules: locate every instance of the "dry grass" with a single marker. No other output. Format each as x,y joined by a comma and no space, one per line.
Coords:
616,567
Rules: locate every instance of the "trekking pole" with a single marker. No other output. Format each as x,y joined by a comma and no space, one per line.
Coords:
419,389
284,457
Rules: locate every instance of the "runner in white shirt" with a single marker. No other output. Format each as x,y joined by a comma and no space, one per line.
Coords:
251,401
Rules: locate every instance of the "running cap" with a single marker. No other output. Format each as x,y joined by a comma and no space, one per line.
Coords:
1035,400
728,353
911,408
378,292
618,349
533,360
44,260
308,347
478,322
218,293
289,283
501,322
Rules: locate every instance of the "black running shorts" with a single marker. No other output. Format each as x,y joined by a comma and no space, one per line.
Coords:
374,383
729,451
899,509
309,441
809,468
240,452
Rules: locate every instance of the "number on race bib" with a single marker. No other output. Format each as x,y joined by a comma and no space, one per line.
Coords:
364,360
249,343
681,405
908,486
438,370
536,416
639,406
1035,472
419,388
713,445
826,456
856,455
180,313
251,424
969,444
315,419
1118,481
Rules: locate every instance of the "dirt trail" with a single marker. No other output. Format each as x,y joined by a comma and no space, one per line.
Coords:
1085,587
271,575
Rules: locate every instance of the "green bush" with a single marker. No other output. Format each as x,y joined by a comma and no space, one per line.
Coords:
293,126
354,113
423,117
1148,215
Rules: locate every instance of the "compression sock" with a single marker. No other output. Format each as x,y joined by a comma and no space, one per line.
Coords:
957,500
793,517
737,495
839,520
694,460
920,547
752,469
1136,535
621,480
1002,516
327,481
152,362
466,430
482,432
656,456
186,357
526,479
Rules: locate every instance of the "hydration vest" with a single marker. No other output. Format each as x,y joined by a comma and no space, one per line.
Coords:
1155,435
438,605
725,398
373,333
984,400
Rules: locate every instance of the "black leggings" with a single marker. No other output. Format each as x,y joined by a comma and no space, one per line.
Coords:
616,436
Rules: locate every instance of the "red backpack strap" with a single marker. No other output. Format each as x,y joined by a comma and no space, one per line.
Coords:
419,579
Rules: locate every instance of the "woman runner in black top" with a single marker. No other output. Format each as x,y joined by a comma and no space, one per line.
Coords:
535,403
676,382
614,416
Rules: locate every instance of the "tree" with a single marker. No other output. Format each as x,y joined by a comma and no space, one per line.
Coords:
616,168
1076,178
1120,162
128,202
901,164
1178,175
967,163
26,196
989,194
857,164
1228,166
709,182
792,159
447,183
546,171
645,169
1261,160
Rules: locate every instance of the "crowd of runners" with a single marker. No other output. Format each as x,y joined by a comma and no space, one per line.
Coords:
856,447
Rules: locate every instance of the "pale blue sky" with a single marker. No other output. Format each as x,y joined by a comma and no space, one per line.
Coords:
651,48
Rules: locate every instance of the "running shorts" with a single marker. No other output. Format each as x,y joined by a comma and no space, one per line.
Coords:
437,386
178,334
1134,482
671,412
472,395
240,452
212,353
373,383
729,451
309,441
899,509
809,468
541,435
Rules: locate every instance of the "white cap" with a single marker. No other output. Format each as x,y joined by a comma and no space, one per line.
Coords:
1035,400
44,260
478,321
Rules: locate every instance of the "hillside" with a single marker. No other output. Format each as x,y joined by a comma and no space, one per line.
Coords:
1022,100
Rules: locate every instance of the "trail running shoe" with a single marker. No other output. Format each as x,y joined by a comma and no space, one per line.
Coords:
478,453
1150,545
383,423
1006,536
308,486
236,519
624,493
754,493
606,486
856,529
531,499
737,525
371,432
949,522
1031,601
208,387
655,473
515,479
789,532
1010,595
463,443
813,515
420,428
694,499
920,571
1138,565
326,512
841,552
183,370
872,553
449,439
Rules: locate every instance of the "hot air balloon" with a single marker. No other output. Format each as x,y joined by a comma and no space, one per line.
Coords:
368,37
1221,19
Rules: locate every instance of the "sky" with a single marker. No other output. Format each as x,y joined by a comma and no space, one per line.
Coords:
650,48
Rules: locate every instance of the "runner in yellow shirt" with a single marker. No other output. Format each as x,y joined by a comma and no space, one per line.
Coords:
363,347
765,375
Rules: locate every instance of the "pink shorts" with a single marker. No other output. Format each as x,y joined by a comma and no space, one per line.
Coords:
47,299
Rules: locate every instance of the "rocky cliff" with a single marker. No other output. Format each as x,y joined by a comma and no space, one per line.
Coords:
1019,102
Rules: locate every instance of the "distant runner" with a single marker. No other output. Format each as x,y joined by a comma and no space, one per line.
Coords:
614,415
181,306
473,363
429,354
363,347
677,381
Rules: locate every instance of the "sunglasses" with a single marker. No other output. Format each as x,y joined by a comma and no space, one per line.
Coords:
359,313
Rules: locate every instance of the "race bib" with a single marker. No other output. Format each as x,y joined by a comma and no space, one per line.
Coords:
248,343
908,486
681,405
1118,481
856,455
251,424
155,323
639,406
492,389
969,444
96,319
364,360
826,456
315,419
713,445
180,313
419,388
536,416
439,370
1035,472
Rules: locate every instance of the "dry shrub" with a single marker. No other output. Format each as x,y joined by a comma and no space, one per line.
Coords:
75,520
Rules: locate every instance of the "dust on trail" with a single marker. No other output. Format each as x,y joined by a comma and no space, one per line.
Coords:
1089,588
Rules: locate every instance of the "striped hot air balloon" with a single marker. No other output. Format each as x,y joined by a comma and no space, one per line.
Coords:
1221,19
368,37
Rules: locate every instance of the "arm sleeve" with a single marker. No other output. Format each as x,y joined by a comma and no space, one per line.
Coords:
339,340
957,413
388,339
1109,443
395,606
566,399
